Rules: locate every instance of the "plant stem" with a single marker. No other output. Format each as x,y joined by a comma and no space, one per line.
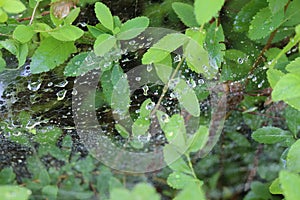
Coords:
34,11
191,165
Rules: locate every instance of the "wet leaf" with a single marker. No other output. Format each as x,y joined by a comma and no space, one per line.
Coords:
287,89
264,23
293,160
104,43
132,28
122,131
185,12
187,98
104,15
67,33
50,54
276,5
290,185
48,136
23,33
270,135
179,180
292,14
140,126
205,11
215,44
14,192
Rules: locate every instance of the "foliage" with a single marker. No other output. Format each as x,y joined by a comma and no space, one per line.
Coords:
252,54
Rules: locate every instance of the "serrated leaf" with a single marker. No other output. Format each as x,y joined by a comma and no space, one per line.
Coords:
14,192
164,47
196,34
290,185
187,98
293,159
215,44
287,89
245,15
274,76
72,16
276,5
132,28
48,137
13,6
292,117
50,54
103,44
185,12
205,11
67,33
192,191
179,180
292,14
270,135
104,15
23,33
264,23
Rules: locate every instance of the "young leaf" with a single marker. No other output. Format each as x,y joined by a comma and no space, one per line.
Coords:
104,43
185,12
264,23
290,185
215,44
23,33
179,180
204,11
293,66
192,191
104,15
132,28
50,54
13,6
275,187
287,89
270,135
67,33
293,160
164,69
72,16
122,130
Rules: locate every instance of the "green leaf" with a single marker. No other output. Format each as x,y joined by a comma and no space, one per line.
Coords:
164,69
22,52
48,136
115,194
192,191
187,97
72,16
275,187
13,6
44,177
239,139
3,16
292,117
144,191
196,34
146,108
14,192
50,54
199,139
179,180
292,14
78,64
104,43
205,11
294,66
290,185
50,191
185,12
287,89
7,176
104,15
122,131
274,76
140,126
264,23
132,28
215,44
67,33
95,31
245,15
23,33
276,5
270,135
293,160
164,47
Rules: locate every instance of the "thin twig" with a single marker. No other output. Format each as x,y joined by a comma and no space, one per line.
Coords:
34,11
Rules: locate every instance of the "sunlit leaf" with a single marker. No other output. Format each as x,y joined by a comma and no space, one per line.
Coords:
50,54
133,28
186,13
294,66
290,185
23,33
67,33
204,11
14,192
104,15
13,6
274,76
293,160
275,187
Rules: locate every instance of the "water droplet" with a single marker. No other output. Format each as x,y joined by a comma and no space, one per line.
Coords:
165,118
145,89
149,68
177,58
50,84
191,83
34,86
61,94
240,60
138,78
62,84
150,105
132,42
144,138
201,81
